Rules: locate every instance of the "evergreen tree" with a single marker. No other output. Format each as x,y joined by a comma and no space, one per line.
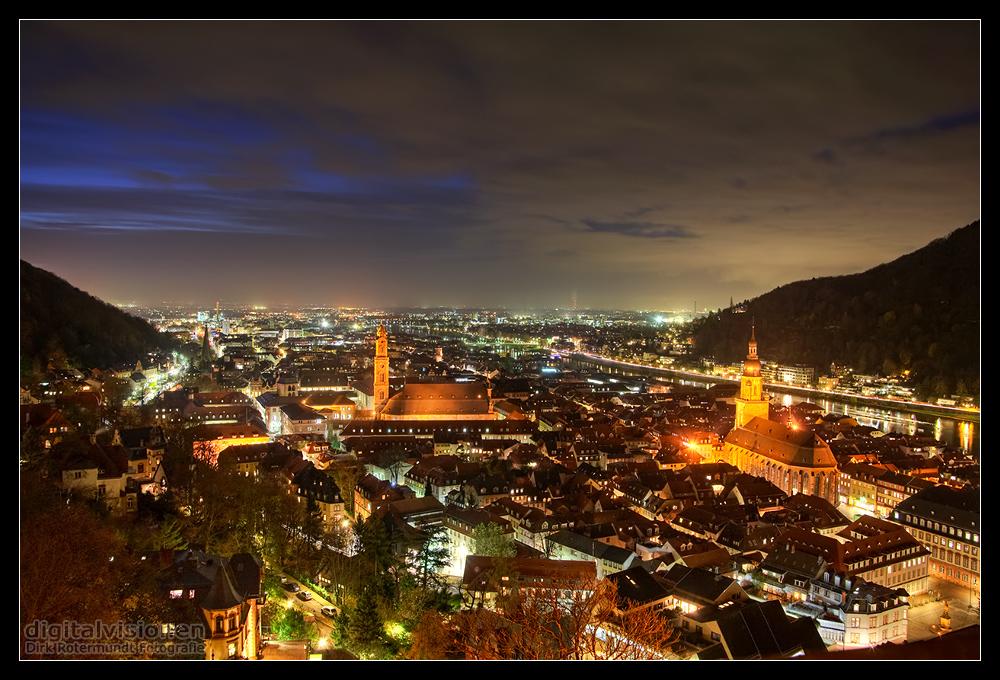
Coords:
366,627
377,559
429,561
170,537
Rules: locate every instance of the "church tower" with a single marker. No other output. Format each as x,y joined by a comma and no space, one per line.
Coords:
796,461
751,403
381,384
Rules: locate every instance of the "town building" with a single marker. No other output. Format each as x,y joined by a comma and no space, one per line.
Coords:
748,629
869,615
218,598
426,400
794,460
875,550
564,581
946,522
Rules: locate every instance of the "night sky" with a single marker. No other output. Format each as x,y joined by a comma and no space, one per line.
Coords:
637,165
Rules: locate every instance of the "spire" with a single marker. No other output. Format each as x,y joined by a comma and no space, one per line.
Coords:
207,356
751,367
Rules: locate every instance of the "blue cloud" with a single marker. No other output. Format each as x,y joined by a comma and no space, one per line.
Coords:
946,123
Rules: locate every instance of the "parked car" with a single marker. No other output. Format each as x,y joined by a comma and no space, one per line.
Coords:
305,596
292,587
329,611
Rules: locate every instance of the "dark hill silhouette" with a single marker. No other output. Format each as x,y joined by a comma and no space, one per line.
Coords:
918,313
63,324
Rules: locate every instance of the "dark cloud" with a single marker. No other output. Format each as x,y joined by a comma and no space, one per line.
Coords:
481,151
640,229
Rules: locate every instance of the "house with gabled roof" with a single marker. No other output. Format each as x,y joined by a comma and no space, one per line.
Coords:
873,549
637,588
747,629
692,588
372,496
566,580
608,559
47,422
311,485
92,471
214,600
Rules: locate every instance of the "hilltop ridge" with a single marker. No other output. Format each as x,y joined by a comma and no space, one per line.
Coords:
63,325
917,314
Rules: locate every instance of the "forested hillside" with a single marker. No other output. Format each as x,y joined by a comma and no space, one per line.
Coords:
61,325
919,313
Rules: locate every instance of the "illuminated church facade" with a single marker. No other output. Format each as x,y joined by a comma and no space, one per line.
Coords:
796,461
426,401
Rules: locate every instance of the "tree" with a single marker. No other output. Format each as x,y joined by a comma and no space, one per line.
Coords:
427,562
541,623
117,393
170,537
78,566
367,628
432,638
346,475
378,563
290,624
489,540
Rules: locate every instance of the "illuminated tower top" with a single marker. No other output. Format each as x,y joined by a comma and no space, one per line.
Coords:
751,366
751,403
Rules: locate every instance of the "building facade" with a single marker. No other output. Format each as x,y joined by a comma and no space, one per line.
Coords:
794,460
946,521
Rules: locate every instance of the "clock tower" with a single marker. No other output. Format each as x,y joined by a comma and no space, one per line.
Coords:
751,403
381,383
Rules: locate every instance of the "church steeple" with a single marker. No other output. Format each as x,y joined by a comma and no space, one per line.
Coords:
751,366
207,356
381,381
751,403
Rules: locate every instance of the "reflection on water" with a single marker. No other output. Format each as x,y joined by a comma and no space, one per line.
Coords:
959,433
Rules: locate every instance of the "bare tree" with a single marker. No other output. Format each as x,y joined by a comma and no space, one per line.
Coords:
550,623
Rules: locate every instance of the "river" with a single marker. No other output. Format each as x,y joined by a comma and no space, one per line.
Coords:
954,431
